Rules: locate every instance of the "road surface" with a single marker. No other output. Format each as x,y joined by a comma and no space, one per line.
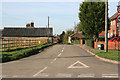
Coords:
60,61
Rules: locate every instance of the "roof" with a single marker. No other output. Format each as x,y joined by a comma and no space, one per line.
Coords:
26,32
78,35
114,16
102,33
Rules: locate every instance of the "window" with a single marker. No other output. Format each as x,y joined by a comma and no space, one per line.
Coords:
113,23
113,30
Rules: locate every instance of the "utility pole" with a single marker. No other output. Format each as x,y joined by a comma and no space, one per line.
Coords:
106,26
48,29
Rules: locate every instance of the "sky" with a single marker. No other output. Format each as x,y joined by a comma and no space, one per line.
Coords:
62,14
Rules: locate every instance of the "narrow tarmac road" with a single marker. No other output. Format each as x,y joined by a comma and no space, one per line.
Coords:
60,61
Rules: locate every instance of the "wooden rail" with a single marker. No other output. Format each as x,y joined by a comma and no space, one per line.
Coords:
11,44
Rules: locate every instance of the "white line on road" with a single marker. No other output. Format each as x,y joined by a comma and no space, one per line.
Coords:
62,50
59,54
40,71
110,75
82,65
54,60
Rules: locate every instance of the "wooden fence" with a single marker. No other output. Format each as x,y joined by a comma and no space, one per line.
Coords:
11,44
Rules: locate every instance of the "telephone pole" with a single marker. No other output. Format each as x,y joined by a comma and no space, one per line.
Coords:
48,29
106,26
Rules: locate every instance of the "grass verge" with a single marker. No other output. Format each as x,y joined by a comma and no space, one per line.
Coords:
111,54
18,54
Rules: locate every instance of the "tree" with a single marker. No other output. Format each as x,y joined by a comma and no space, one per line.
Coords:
61,36
67,35
92,18
78,28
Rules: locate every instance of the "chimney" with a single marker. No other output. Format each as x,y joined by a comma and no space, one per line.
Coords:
32,24
27,25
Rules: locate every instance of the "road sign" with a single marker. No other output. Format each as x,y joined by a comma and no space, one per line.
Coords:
118,9
118,18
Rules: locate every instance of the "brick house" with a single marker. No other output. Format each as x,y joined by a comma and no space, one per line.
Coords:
114,28
77,37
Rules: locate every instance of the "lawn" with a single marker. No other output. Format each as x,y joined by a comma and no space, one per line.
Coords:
111,54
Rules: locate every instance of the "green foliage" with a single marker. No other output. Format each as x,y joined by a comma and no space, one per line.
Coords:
65,38
90,42
14,55
61,37
92,18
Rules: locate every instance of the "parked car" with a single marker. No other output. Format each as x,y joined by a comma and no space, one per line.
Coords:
115,39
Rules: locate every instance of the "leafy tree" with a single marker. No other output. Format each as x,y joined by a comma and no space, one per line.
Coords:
68,33
92,18
61,36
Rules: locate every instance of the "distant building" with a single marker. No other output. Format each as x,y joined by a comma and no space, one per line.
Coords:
76,37
27,32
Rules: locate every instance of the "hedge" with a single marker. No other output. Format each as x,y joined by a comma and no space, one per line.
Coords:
7,56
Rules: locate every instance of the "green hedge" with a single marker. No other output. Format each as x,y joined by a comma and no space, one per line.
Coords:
14,55
90,42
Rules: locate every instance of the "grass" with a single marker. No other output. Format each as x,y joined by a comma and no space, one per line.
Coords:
111,54
21,53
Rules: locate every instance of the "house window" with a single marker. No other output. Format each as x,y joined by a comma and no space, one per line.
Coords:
113,23
113,30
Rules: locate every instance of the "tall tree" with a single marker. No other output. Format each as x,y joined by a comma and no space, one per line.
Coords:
92,18
61,36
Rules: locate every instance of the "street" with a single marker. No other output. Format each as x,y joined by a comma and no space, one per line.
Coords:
60,61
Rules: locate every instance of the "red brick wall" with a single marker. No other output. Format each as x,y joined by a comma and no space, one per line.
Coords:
111,45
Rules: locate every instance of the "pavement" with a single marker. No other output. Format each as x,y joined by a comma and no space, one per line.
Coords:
60,61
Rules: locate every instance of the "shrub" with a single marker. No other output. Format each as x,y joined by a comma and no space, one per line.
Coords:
23,53
90,42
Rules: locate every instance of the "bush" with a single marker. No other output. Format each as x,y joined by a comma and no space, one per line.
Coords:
23,53
90,42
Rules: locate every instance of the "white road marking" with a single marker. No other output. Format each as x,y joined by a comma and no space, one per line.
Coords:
86,75
62,50
54,60
110,75
40,71
63,75
59,54
78,62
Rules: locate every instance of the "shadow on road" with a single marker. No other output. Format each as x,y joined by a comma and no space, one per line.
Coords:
75,56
